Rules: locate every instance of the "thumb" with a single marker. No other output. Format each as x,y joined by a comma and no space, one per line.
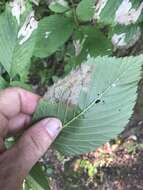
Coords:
35,141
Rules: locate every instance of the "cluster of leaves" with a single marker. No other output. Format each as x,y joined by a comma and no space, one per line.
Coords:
77,30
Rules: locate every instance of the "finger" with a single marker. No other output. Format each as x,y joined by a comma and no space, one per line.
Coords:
18,123
14,125
35,141
16,100
3,125
2,146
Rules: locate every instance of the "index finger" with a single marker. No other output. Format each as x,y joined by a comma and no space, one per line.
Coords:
16,100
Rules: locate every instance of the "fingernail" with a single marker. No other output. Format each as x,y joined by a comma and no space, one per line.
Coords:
53,127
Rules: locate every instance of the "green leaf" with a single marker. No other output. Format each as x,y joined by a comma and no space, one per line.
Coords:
38,179
44,106
105,106
125,36
91,41
53,32
3,83
15,55
85,10
21,85
59,6
31,184
119,12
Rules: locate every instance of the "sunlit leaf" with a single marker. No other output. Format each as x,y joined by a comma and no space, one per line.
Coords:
15,54
124,12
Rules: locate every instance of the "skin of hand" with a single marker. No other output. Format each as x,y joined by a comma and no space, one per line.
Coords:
16,109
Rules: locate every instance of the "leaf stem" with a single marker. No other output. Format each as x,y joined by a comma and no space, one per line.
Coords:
74,13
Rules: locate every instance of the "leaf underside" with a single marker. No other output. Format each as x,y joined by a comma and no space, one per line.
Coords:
103,111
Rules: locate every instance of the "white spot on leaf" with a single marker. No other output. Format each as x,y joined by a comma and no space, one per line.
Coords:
126,14
98,8
126,40
47,34
18,8
28,27
113,85
118,40
60,2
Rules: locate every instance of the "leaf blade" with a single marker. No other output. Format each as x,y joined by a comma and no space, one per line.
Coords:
106,108
14,55
38,175
53,32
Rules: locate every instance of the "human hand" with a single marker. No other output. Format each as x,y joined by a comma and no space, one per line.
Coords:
16,109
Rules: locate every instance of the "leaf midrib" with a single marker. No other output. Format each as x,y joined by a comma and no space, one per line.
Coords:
94,101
